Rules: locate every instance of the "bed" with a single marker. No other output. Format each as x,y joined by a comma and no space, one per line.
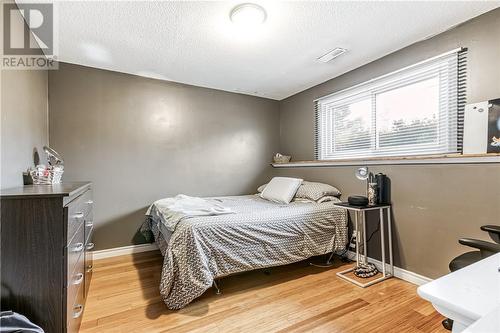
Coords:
259,234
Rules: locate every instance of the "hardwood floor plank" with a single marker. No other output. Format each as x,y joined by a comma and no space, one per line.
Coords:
326,316
124,297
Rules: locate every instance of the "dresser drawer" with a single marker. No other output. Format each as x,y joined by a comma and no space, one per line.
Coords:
76,279
76,283
74,311
78,210
75,295
87,203
75,249
75,221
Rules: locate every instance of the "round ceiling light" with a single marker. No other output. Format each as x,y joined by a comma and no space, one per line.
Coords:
248,14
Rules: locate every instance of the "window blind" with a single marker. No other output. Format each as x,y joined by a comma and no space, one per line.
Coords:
417,110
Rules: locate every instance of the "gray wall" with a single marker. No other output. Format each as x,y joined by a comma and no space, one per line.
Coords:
139,140
24,119
433,205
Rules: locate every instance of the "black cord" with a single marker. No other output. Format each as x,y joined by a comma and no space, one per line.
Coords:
343,252
373,233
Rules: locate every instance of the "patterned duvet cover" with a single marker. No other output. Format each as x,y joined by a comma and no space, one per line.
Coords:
260,234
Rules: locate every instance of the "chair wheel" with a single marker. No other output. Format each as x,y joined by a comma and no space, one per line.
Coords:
448,324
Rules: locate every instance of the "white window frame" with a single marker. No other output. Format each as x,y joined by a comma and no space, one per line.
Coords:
451,109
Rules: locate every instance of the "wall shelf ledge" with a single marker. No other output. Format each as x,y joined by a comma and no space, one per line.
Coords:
408,160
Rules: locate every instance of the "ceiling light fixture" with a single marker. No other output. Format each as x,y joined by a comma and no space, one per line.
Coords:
332,54
248,14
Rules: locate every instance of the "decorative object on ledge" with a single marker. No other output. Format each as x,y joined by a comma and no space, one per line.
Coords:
476,128
51,174
482,127
494,126
279,158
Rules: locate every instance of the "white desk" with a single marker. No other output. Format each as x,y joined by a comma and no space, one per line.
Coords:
486,324
468,295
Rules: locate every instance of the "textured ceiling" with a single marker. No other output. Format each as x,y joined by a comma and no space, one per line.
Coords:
196,43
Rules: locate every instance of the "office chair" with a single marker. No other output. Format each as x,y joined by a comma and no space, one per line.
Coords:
486,249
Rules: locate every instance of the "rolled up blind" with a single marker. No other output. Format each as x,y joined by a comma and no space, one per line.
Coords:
417,110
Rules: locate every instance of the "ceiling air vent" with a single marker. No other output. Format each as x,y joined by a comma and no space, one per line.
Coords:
332,54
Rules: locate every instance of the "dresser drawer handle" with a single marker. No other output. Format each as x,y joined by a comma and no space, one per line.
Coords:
89,268
78,247
90,202
78,216
79,278
77,311
89,223
89,246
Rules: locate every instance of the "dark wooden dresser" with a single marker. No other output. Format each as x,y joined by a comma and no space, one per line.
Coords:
46,253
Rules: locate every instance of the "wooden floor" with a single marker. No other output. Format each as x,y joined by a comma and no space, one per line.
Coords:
124,297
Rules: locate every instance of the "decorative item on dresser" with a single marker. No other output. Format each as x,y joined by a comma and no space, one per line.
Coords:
46,253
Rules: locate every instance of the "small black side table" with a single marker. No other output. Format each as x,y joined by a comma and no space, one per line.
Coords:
360,216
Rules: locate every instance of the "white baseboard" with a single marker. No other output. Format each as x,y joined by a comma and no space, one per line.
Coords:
400,273
119,251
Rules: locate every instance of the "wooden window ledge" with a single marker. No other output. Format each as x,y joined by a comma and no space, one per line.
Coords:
430,159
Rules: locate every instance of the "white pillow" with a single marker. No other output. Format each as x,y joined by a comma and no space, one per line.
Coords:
281,189
261,188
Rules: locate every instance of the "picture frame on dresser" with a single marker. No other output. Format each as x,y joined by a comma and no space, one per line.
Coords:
46,253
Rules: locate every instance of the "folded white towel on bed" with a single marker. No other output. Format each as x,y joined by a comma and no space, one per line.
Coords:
173,210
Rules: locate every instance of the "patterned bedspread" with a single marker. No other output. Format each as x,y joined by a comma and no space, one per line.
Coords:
261,234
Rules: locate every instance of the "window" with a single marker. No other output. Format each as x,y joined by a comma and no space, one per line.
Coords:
414,111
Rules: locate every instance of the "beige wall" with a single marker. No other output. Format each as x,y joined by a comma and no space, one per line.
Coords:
139,140
24,119
433,205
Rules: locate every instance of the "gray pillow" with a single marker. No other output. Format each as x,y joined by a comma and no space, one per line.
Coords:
312,190
315,191
328,198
